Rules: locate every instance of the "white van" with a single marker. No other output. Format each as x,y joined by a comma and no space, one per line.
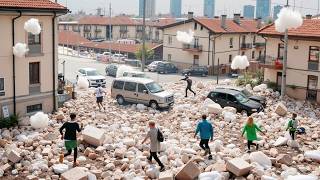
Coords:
141,91
137,74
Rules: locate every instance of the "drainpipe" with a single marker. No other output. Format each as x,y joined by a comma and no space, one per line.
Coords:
214,50
209,48
14,65
265,49
54,62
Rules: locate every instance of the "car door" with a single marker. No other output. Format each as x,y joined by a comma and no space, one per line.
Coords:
143,94
220,98
130,92
232,102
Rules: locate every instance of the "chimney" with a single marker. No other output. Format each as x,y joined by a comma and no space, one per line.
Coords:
223,21
259,23
308,16
216,17
236,18
190,15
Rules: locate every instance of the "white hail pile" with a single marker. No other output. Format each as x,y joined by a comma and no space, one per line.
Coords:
32,26
123,68
185,37
288,19
240,62
39,120
20,49
83,83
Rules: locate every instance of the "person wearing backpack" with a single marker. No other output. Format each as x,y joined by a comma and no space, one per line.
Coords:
99,96
189,84
155,137
292,125
206,133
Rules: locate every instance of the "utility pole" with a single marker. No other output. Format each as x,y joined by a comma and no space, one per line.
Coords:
285,59
110,34
143,37
218,71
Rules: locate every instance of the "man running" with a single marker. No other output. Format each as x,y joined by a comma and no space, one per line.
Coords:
206,133
189,84
99,96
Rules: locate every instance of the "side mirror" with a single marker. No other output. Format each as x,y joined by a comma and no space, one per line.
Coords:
145,92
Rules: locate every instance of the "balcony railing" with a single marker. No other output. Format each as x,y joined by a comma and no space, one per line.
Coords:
98,30
313,65
87,30
192,47
259,45
246,46
270,62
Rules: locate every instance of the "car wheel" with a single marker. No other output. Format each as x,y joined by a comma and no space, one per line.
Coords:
120,100
244,112
203,75
153,105
166,72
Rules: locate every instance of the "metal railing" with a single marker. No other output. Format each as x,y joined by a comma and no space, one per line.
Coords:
259,45
246,46
192,47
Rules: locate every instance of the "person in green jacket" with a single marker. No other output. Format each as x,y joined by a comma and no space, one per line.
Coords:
251,131
292,125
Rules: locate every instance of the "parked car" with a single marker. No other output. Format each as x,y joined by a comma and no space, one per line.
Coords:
111,70
152,67
135,63
232,98
260,99
137,74
117,58
142,91
166,67
94,78
196,71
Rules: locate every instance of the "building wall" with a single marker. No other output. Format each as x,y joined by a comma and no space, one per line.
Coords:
297,73
248,11
22,64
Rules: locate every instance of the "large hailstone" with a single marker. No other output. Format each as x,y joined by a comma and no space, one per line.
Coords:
185,37
20,49
288,19
32,26
83,83
240,62
39,120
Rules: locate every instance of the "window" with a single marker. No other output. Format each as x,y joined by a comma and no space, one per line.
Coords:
242,53
243,39
230,58
34,108
195,26
169,39
231,98
123,28
130,86
196,42
231,43
34,73
314,53
1,84
254,40
280,51
141,88
312,82
65,27
118,84
169,57
221,96
196,60
201,28
34,43
157,36
253,54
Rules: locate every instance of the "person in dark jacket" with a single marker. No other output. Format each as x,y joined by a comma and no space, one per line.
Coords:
206,134
189,84
70,137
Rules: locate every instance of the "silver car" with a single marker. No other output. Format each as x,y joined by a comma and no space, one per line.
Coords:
141,91
94,78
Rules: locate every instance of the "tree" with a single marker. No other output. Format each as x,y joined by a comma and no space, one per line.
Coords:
149,53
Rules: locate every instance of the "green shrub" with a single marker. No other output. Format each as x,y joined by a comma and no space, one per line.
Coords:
272,85
253,79
9,122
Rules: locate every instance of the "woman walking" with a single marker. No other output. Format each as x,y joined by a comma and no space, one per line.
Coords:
251,131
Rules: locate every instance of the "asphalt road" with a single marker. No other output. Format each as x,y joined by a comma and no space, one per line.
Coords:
72,64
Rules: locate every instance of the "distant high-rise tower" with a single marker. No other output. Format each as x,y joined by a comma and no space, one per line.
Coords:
175,8
248,11
150,8
263,9
208,10
276,10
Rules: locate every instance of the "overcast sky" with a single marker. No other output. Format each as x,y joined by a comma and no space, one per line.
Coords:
222,6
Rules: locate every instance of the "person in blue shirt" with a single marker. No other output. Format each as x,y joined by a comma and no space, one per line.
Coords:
206,133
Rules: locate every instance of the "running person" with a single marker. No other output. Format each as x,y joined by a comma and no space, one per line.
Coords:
189,84
99,96
206,134
251,130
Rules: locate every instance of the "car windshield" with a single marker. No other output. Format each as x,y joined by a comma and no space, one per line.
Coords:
241,98
92,73
246,92
154,87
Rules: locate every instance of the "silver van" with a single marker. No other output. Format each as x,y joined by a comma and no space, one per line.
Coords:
140,91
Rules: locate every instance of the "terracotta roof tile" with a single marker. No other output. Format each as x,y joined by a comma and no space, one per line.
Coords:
310,28
31,4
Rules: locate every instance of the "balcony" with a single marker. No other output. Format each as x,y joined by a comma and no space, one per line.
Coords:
98,30
259,45
192,47
271,62
87,30
75,30
246,46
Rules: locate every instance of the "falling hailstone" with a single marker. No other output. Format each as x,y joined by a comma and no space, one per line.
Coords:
39,120
32,26
185,37
83,83
288,19
20,49
240,62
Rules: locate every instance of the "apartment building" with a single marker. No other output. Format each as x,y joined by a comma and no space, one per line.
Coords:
119,27
28,84
303,74
216,41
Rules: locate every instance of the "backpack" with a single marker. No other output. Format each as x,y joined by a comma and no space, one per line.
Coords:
160,136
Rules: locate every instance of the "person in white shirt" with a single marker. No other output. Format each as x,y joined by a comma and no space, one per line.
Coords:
99,95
